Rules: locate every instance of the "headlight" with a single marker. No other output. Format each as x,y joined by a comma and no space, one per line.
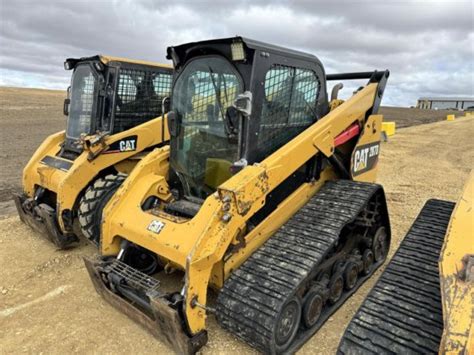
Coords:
238,52
68,65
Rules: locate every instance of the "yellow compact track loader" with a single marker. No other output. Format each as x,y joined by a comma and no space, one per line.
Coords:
114,109
424,301
263,195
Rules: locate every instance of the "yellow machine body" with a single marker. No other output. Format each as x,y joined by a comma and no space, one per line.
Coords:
457,277
56,176
68,179
68,183
254,141
198,245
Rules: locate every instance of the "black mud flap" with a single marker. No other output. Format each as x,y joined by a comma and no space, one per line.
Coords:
42,219
136,294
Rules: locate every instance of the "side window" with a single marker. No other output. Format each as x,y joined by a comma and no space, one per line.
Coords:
162,84
139,96
211,95
288,108
127,87
303,98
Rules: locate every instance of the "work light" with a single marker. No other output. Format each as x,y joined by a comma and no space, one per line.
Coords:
67,65
238,52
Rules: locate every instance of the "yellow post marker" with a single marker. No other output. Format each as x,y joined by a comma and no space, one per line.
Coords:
468,114
450,117
388,128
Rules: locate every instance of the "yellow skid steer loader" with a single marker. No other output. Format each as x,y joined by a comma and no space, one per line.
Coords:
113,110
264,195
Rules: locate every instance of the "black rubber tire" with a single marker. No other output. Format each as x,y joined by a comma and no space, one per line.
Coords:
93,202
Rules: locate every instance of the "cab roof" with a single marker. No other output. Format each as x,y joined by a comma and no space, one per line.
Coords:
182,51
105,59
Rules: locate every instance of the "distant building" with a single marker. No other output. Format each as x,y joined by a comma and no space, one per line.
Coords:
446,103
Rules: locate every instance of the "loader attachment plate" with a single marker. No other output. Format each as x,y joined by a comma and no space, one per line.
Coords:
42,219
137,295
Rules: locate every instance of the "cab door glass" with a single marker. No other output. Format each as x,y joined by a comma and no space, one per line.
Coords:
83,101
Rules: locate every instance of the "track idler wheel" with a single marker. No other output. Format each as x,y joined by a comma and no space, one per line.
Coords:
287,324
312,307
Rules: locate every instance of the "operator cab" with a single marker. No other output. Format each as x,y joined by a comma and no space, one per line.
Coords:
234,102
110,95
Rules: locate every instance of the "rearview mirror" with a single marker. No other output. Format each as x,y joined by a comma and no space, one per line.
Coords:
243,103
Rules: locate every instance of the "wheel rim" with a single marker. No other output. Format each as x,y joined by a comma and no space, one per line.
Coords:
312,308
287,324
368,259
351,274
336,290
380,245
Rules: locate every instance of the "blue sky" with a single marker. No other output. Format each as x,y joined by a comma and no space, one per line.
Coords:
427,45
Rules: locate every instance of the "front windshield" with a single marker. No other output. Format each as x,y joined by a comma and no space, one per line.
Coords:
204,149
83,88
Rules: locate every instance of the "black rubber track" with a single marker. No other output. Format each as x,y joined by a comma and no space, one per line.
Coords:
402,313
253,296
93,202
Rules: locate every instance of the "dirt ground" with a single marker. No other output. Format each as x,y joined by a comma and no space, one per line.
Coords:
47,303
27,117
406,117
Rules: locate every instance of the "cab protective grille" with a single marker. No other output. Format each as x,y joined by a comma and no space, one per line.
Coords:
140,93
